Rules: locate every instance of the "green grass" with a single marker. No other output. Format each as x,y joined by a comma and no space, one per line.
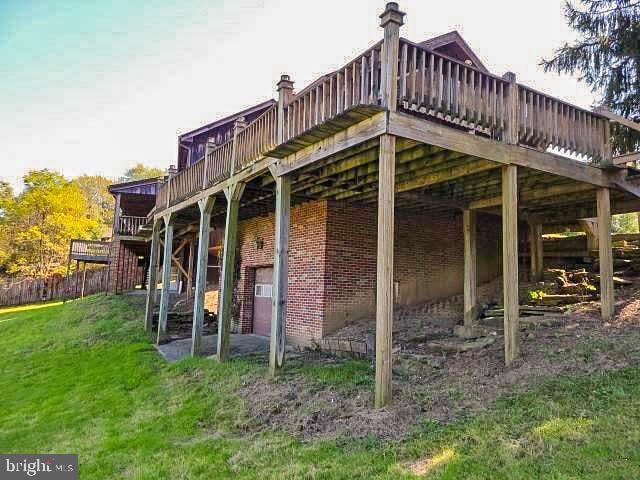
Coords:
83,378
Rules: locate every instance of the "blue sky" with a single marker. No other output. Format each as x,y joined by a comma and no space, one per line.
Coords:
96,86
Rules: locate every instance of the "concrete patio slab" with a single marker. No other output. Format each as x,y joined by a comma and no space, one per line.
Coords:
241,344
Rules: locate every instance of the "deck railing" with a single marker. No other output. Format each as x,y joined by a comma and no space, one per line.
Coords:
129,225
457,93
357,83
451,91
186,182
89,249
259,137
544,122
219,164
429,84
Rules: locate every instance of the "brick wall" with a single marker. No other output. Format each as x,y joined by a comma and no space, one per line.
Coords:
306,269
428,259
332,263
124,273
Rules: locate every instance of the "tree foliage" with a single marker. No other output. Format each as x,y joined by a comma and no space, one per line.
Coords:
100,203
607,57
39,223
141,172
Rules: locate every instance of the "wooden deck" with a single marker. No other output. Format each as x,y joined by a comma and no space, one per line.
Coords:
90,251
401,127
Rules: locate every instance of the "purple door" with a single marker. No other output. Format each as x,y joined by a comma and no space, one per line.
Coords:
262,301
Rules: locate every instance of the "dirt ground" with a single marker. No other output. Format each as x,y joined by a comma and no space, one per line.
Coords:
442,386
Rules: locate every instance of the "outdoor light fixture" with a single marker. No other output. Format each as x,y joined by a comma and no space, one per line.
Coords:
259,243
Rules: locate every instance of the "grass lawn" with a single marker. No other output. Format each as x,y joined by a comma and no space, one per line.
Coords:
84,378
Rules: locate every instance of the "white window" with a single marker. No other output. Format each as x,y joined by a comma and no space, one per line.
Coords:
263,290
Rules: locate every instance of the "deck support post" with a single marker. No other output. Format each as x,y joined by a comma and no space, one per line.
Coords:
206,208
390,20
510,263
190,254
470,269
607,300
280,275
166,278
384,275
537,252
233,193
152,285
590,228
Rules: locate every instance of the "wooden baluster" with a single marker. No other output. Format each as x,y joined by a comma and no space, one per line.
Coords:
305,112
531,108
492,103
339,96
355,77
344,94
566,132
590,121
463,94
456,90
503,107
448,86
439,80
414,69
432,90
586,141
403,72
483,85
363,80
474,100
373,97
554,122
572,129
323,111
423,79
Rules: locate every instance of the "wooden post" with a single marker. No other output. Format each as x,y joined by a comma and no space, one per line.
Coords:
239,125
206,208
76,274
590,228
607,300
470,257
536,250
116,216
391,20
280,275
285,93
65,285
607,156
166,277
510,262
84,278
152,285
511,130
190,254
384,278
233,193
209,144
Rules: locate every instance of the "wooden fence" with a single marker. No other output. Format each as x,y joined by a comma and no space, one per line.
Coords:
55,287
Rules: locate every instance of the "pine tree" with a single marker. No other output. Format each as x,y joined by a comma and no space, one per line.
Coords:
606,57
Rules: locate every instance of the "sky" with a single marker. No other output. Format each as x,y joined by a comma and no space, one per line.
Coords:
94,87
